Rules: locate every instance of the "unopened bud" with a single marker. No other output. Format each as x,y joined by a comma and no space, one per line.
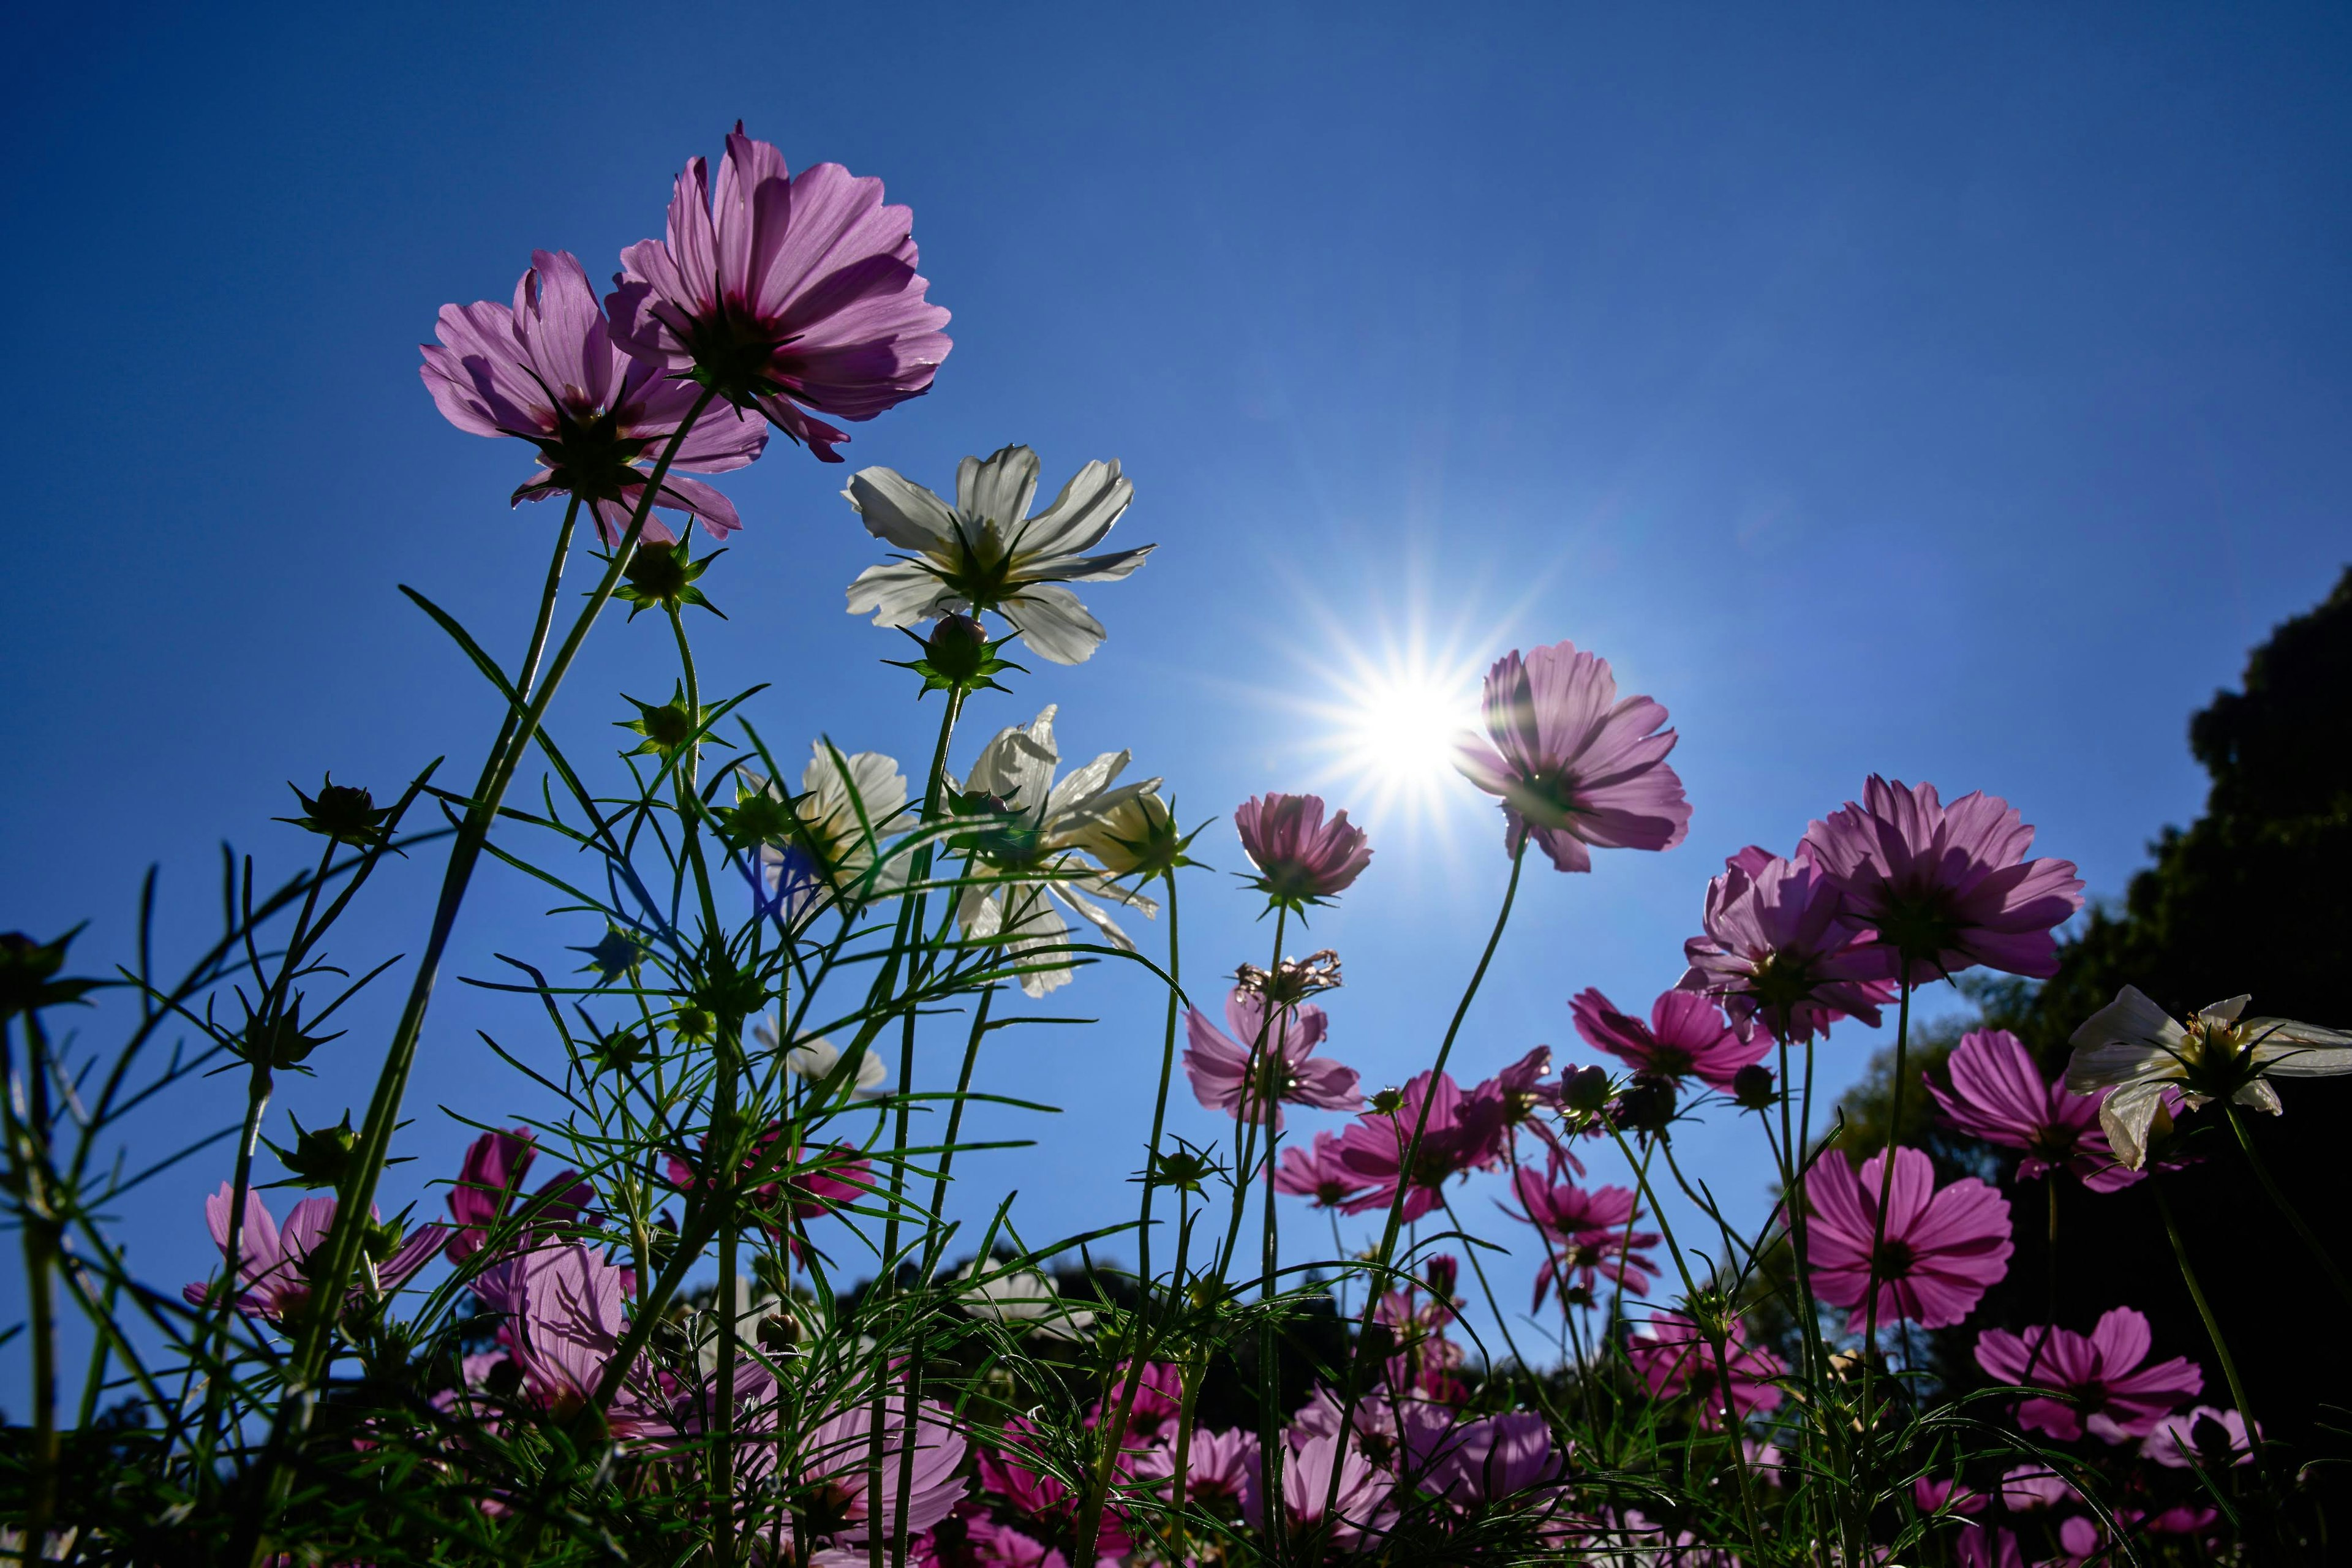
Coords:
1586,1088
1647,1105
1752,1087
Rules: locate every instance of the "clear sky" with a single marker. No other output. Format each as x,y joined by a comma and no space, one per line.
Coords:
1953,392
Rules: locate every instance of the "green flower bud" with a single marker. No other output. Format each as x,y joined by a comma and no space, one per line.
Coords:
344,812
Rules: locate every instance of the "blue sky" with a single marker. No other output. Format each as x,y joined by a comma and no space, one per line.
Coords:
1952,392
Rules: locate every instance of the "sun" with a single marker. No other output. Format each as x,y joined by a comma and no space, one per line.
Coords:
1390,720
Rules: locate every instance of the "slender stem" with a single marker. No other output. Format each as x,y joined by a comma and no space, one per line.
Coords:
2285,1205
2205,1311
40,1227
1866,1448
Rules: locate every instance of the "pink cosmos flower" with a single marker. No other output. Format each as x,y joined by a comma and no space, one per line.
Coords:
805,1184
2205,1435
1999,1095
1944,1248
564,1324
832,1464
547,372
270,1266
1931,1495
1588,1233
1980,1547
1575,767
1300,857
2026,1487
1159,1395
1219,1465
784,294
1477,1462
1317,1174
1947,887
1362,1508
1219,1064
488,1182
1014,1468
1673,1357
1464,1133
1687,1035
1780,949
998,1546
2108,1392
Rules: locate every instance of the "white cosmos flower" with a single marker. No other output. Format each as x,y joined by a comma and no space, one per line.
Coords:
985,553
848,804
814,1058
2136,1048
1023,1296
1038,826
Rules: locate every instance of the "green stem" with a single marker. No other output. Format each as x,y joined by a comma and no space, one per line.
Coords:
2286,1206
41,1230
2205,1311
1866,1448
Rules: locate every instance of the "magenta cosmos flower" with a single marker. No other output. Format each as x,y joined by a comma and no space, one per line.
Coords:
1780,949
1300,857
1686,1036
1361,1508
1674,1357
784,294
1947,888
2206,1436
2109,1393
1220,1064
831,1466
1575,767
1999,1095
1944,1248
1465,1132
564,1323
1588,1232
1318,1173
491,1178
547,372
272,1276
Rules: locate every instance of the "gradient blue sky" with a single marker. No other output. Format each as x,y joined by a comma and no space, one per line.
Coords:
1954,392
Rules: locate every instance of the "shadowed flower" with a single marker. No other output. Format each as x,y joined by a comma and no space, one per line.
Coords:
1478,1462
1300,858
1219,1467
2106,1389
271,1273
1158,1396
1221,1067
1947,888
1781,949
784,294
1999,1095
1016,1468
1023,834
2026,1487
1318,1175
563,1325
816,1060
1943,1249
1022,1297
1674,1358
1588,1233
827,844
2215,1439
833,1466
1687,1035
2133,1047
797,1185
1464,1133
489,1179
547,372
1575,767
986,552
1363,1504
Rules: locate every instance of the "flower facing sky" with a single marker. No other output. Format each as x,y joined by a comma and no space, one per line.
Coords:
547,372
782,294
1999,1095
2109,1390
986,552
1686,1035
1944,1248
2135,1048
1219,1064
1947,888
1024,837
1779,948
1300,857
1576,768
1673,1357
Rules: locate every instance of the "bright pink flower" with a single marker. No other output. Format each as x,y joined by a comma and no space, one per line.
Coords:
1218,1464
1588,1233
270,1271
1318,1175
1158,1396
2000,1095
2204,1435
1574,766
2109,1392
1780,949
488,1182
785,295
1219,1064
547,372
1947,887
1464,1133
1673,1357
1686,1036
1944,1248
563,1325
1002,1546
831,1467
1362,1508
1014,1469
1300,857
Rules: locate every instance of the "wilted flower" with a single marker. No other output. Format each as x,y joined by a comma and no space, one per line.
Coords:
1673,1357
271,1270
2205,1435
1300,858
783,295
1465,1132
1588,1233
548,372
1262,1064
1780,947
1999,1095
2134,1047
1947,888
1686,1035
1022,1297
986,552
489,1179
1023,841
1943,1247
2107,1390
1575,767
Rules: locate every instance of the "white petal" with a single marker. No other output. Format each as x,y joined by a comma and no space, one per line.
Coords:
2288,1050
1095,915
900,593
1086,568
997,488
2124,1116
1076,792
897,508
1079,517
1054,623
2262,1096
2225,1012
